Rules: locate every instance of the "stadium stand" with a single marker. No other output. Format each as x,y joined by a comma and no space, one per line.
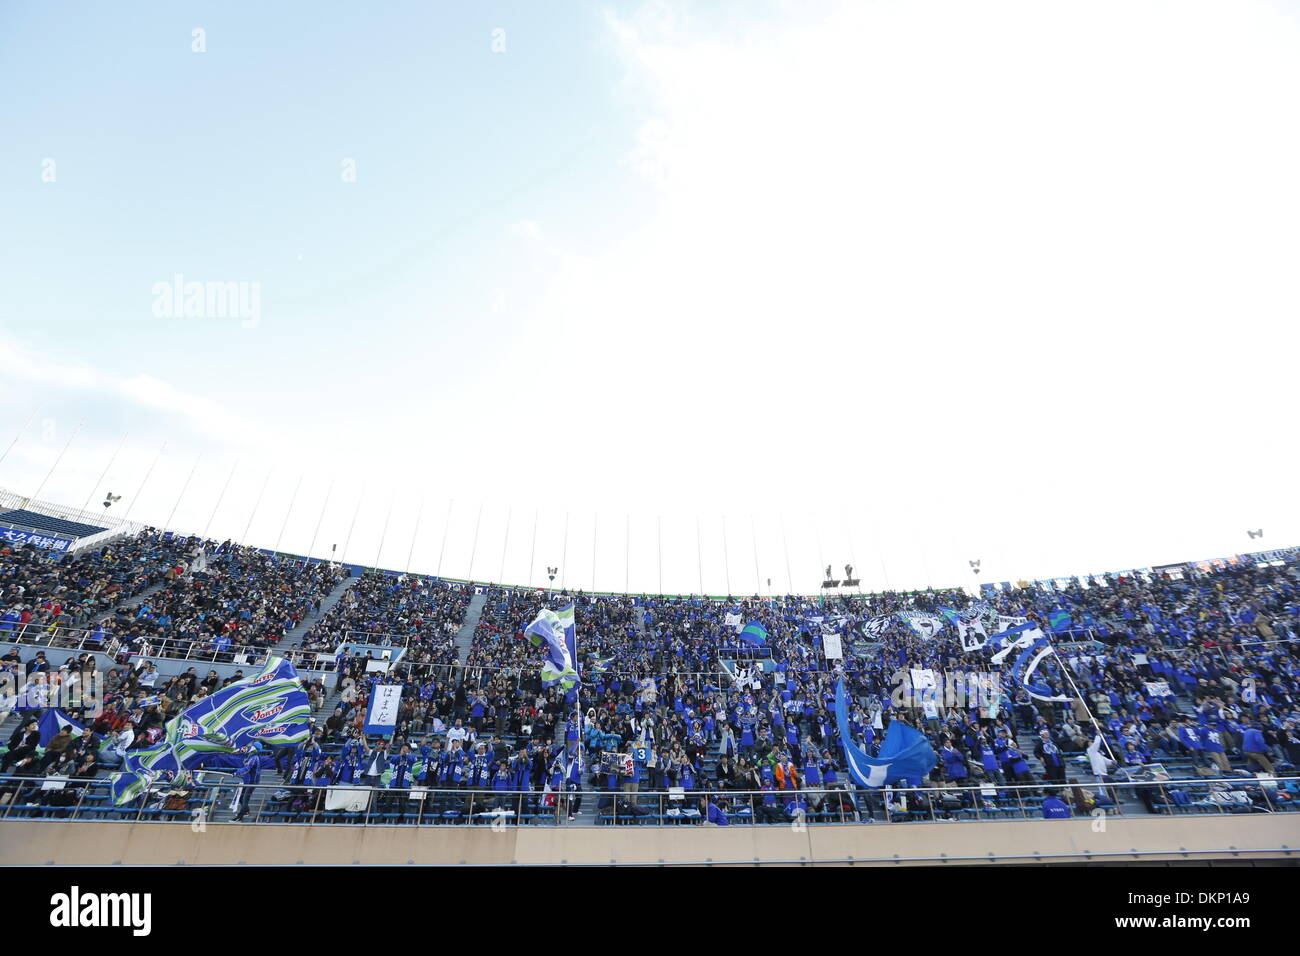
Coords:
35,521
1179,694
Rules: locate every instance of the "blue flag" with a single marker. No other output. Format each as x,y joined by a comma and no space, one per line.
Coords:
904,753
754,633
267,708
54,720
555,632
1059,621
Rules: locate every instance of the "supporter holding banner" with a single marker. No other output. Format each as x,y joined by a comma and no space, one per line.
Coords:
382,710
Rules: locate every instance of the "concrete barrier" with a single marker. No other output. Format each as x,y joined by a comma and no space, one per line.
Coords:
1271,837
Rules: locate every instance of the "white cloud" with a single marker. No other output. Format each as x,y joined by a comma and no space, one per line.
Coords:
923,281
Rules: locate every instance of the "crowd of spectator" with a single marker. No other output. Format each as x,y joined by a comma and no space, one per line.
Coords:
419,614
214,598
1193,668
50,592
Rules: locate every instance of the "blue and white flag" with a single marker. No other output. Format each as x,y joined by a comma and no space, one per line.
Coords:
54,720
1032,646
905,753
753,633
555,632
923,624
268,708
878,626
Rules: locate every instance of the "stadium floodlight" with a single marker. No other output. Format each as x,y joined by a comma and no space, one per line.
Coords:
552,572
110,498
974,566
849,580
1256,534
830,582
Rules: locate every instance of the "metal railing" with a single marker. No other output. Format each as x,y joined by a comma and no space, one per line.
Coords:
218,798
103,641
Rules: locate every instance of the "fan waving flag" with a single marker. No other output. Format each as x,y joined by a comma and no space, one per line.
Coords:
905,753
555,631
754,633
268,708
54,720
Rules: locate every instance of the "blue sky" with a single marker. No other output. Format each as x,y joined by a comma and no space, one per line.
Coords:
915,282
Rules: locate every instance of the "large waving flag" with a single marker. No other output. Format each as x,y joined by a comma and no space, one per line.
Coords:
555,631
904,753
268,708
923,624
753,633
878,626
54,720
1033,646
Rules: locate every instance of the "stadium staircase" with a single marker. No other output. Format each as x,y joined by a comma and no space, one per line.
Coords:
295,635
132,602
465,636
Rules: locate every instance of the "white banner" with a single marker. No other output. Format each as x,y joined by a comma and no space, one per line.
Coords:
832,647
354,799
381,715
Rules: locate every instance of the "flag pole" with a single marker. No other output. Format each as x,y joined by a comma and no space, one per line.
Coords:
86,506
193,469
699,554
1075,687
726,557
211,517
287,513
59,458
532,554
252,514
26,425
446,523
564,557
415,534
144,481
785,546
384,533
315,534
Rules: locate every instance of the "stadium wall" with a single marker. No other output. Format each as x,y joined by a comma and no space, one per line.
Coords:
1240,839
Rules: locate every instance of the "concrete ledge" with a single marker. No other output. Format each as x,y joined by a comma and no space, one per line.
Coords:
1124,840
